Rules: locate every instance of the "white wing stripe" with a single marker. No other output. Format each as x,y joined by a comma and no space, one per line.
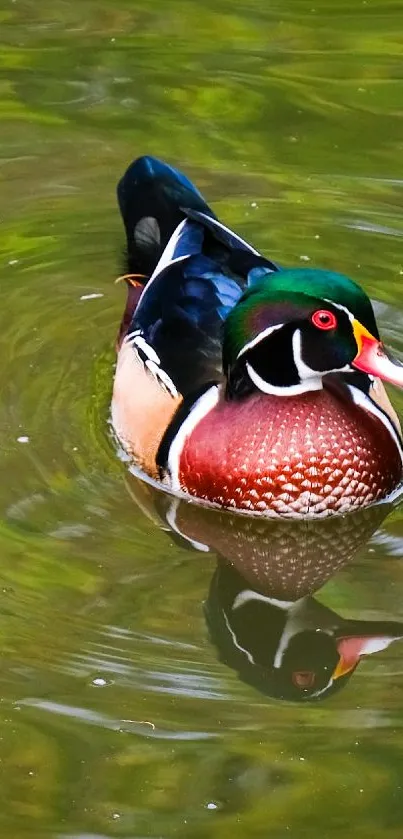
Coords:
214,223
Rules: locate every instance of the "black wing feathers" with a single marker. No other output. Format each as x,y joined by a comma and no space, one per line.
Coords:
198,267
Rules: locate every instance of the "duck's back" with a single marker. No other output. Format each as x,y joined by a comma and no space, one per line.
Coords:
189,271
195,271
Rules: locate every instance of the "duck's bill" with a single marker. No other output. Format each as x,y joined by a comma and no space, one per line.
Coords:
374,358
352,647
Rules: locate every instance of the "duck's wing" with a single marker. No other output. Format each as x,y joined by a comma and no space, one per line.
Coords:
197,281
151,195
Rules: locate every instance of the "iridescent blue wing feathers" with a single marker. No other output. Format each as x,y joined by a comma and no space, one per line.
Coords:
198,268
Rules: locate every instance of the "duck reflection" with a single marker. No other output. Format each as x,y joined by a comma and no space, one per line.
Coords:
260,611
295,650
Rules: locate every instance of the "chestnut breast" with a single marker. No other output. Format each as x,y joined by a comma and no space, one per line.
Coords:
141,409
306,455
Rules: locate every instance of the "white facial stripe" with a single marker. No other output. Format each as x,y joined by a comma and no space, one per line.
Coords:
342,308
262,335
249,655
248,595
202,407
323,690
273,390
305,373
310,379
270,329
296,623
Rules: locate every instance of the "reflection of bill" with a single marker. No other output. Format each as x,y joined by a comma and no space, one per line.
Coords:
289,650
260,612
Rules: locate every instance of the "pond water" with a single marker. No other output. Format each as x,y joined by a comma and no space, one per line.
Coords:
136,700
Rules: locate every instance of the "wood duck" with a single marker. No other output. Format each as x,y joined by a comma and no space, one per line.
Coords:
239,383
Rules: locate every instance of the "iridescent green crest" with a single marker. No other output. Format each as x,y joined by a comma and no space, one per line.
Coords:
291,295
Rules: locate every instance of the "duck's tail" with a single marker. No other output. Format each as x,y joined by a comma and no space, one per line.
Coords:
151,196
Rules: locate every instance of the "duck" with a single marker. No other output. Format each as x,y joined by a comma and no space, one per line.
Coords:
239,383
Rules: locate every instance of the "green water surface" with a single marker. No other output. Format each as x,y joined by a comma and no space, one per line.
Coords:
118,715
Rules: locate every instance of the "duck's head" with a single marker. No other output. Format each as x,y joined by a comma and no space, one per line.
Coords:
291,328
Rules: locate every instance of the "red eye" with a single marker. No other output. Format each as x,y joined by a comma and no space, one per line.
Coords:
323,319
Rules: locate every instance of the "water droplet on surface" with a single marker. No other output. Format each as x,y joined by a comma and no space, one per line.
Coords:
100,683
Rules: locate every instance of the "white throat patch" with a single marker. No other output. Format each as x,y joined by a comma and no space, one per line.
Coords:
310,379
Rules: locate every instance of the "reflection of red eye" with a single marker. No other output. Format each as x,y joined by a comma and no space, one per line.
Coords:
323,319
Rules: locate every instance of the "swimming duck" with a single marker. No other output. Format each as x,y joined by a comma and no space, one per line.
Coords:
239,383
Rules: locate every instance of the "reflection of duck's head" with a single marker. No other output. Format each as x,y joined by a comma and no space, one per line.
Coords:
260,615
288,650
289,559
